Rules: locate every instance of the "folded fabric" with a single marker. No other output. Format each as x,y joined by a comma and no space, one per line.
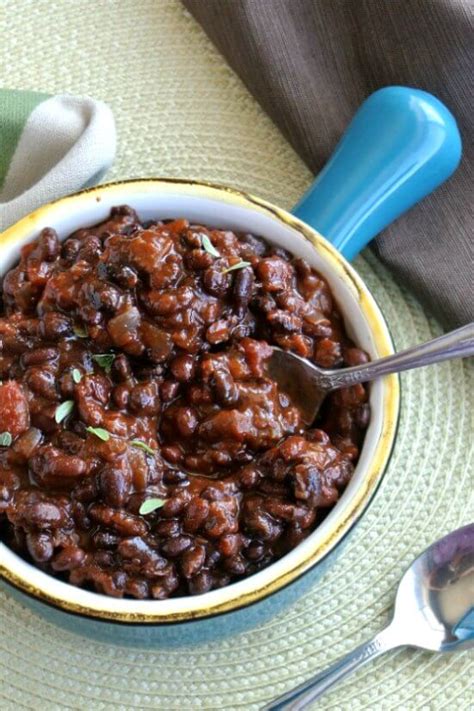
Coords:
50,147
311,63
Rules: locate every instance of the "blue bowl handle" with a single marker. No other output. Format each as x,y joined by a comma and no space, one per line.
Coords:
401,144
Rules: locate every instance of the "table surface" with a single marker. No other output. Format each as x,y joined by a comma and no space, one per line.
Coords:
181,111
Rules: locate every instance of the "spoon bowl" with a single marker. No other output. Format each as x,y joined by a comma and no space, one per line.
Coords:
435,597
434,610
307,385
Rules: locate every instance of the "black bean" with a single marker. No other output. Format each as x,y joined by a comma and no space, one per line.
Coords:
242,291
226,391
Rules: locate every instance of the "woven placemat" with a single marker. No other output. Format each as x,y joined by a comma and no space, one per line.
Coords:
180,111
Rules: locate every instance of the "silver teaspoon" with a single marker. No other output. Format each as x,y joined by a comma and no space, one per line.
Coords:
307,385
434,610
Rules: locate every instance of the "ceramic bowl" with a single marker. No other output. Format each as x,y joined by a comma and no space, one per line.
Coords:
225,209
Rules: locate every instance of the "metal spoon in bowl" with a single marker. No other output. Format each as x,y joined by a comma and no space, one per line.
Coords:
434,610
307,385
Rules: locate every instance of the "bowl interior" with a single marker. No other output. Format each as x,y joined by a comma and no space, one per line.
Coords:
225,209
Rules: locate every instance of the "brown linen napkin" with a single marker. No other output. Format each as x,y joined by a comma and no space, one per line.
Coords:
311,63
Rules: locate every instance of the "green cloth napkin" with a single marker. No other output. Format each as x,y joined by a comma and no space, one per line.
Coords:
50,146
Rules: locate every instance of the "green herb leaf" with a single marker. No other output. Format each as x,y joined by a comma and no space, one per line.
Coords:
63,410
209,247
105,360
151,505
239,265
99,432
142,445
76,375
5,439
80,332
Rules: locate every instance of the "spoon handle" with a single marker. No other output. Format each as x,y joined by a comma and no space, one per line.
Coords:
301,696
456,344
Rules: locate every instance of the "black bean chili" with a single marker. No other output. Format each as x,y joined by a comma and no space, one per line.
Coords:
132,367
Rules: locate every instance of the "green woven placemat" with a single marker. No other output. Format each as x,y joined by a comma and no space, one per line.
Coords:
180,111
